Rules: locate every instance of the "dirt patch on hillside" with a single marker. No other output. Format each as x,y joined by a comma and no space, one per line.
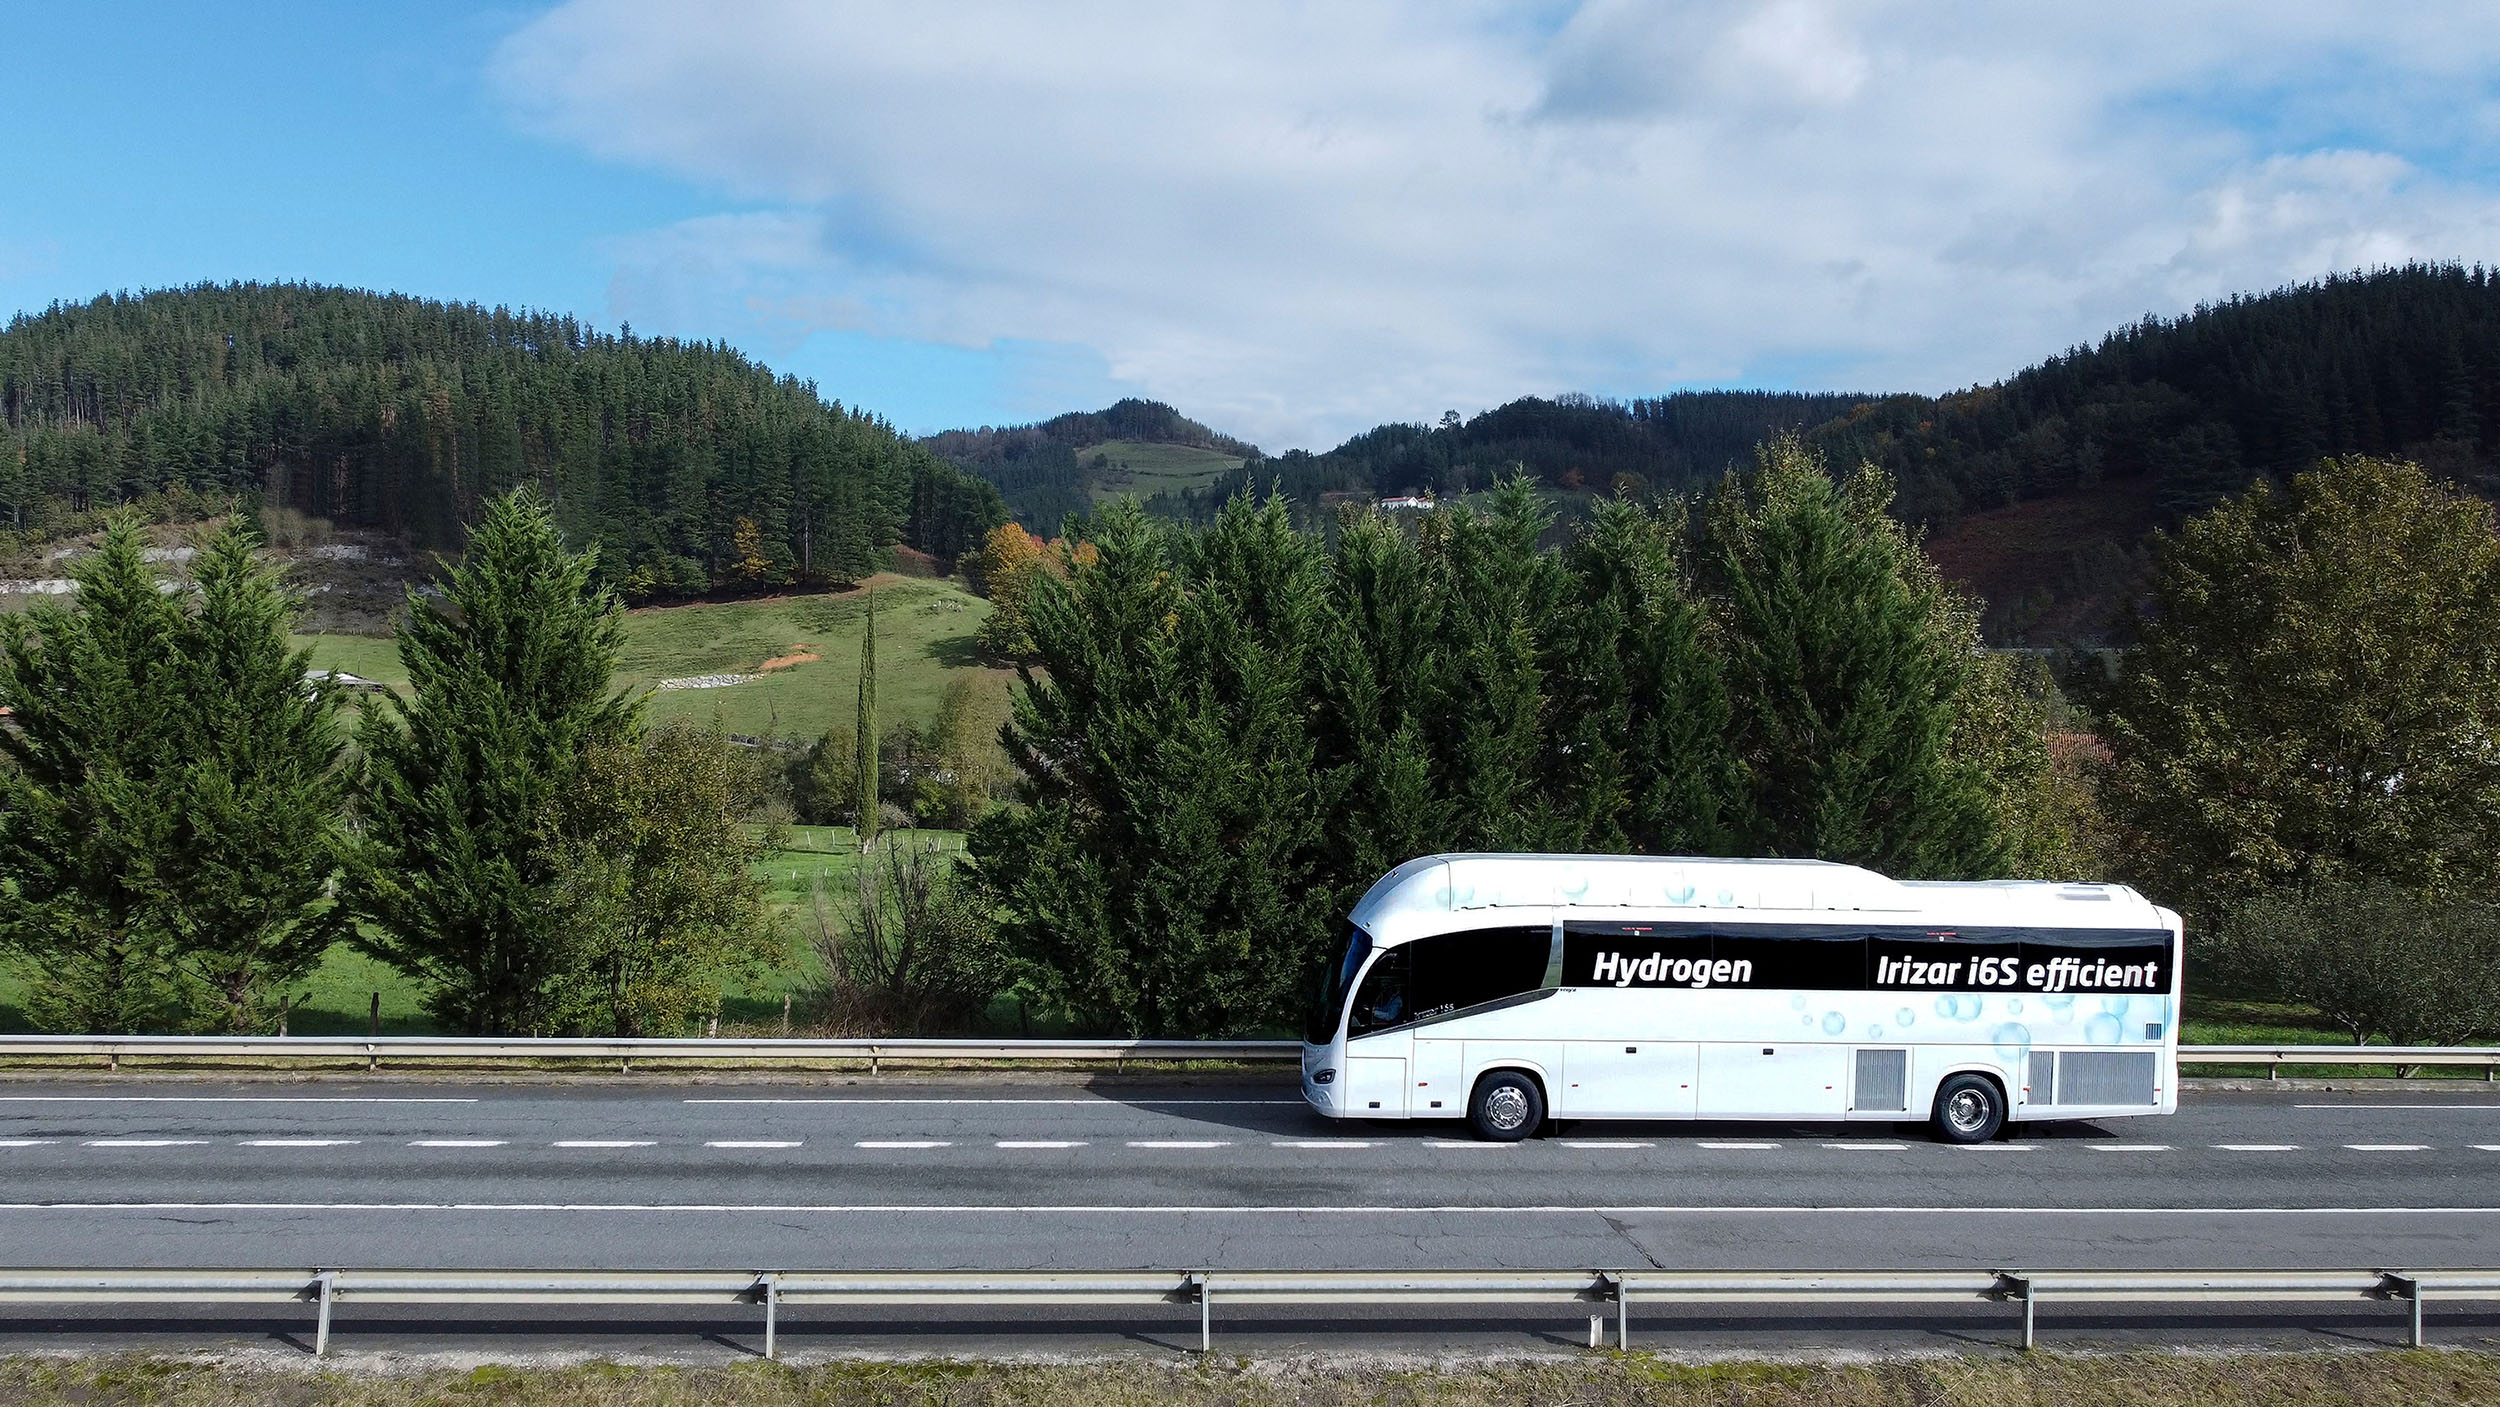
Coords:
799,654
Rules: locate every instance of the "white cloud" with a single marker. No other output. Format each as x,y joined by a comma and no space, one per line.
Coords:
1298,219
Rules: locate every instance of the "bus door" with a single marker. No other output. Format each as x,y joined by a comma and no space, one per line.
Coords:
1380,1040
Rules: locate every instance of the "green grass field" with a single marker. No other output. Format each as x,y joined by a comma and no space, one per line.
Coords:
1144,470
924,643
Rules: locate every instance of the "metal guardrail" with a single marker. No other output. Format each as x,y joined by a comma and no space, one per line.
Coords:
873,1052
876,1052
2275,1057
1615,1289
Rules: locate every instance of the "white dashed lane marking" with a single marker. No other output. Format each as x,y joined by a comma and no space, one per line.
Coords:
1178,1143
456,1143
2388,1147
26,1142
2128,1147
1320,1143
300,1142
1998,1147
603,1143
1464,1143
902,1143
1870,1147
1737,1147
1038,1143
144,1142
753,1143
1604,1143
2258,1147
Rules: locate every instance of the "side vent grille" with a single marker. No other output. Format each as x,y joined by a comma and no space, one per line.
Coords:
1883,1080
2043,1078
2106,1077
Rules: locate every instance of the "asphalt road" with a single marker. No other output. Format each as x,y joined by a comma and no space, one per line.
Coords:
1117,1176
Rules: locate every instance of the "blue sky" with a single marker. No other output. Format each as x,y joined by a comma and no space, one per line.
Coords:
1292,220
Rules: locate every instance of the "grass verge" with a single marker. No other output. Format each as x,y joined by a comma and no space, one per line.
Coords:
2037,1380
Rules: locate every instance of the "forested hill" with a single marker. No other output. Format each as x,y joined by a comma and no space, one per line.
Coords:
1573,443
1057,467
2039,490
401,414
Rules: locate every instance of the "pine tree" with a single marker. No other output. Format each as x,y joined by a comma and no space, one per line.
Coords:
509,677
864,732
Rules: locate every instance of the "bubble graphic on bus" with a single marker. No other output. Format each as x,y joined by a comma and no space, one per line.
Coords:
2014,1007
1834,1023
2103,1029
1958,1007
2012,1039
1905,1017
1797,1002
2116,1006
2060,1004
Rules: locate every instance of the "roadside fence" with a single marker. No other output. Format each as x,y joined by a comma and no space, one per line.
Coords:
1614,1293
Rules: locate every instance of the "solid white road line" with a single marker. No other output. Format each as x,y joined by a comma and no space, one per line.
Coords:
2128,1147
902,1143
603,1143
299,1142
227,1099
2388,1147
1178,1143
2258,1147
1297,1210
1039,1143
456,1143
754,1143
144,1142
1736,1146
1108,1103
2484,1107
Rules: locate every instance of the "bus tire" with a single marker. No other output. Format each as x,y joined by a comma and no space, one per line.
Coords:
1506,1107
1969,1109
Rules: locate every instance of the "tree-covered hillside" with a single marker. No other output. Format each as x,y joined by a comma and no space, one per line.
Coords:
689,464
1045,470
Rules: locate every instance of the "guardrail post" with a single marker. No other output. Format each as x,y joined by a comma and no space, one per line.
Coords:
1206,1311
2019,1286
768,1290
1612,1280
2409,1289
327,1282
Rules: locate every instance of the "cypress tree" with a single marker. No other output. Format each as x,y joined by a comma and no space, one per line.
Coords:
259,798
96,706
509,677
864,767
1846,659
172,817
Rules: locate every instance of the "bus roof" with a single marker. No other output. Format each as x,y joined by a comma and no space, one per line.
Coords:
1445,884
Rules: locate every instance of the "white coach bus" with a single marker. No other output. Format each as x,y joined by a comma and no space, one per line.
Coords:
1506,989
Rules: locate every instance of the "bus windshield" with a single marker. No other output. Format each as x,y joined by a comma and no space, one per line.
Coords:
1321,1026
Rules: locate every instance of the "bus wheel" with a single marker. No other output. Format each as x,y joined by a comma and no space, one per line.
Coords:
1507,1107
1969,1109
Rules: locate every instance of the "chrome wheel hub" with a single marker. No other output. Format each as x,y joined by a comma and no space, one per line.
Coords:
1967,1110
1506,1108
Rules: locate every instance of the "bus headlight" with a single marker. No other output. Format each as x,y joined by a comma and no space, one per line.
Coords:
1324,1077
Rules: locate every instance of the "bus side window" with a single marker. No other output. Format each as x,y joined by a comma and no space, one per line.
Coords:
1455,971
1381,1003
